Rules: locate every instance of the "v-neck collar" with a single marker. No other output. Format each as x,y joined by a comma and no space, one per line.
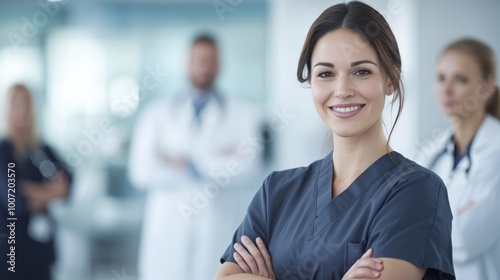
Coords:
328,209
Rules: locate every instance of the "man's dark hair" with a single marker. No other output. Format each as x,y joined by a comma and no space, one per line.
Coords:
204,38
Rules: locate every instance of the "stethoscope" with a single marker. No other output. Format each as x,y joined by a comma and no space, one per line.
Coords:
449,149
40,226
38,158
459,184
46,167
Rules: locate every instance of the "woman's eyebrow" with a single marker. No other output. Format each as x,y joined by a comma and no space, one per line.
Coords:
356,63
327,64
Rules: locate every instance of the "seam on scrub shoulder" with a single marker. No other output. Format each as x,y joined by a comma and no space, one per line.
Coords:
265,190
315,198
433,223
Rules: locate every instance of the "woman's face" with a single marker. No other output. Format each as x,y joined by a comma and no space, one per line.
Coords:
348,83
460,89
20,110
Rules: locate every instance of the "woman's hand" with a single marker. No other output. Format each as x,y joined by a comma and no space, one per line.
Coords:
35,195
254,259
365,267
39,195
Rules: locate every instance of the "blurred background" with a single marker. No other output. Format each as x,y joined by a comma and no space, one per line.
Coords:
85,62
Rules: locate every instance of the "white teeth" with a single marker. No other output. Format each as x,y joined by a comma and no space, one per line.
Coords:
346,109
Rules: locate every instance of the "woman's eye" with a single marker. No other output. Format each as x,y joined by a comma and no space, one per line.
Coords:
363,72
325,74
462,80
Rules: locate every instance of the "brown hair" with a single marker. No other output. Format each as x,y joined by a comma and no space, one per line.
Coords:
372,27
485,58
25,139
204,38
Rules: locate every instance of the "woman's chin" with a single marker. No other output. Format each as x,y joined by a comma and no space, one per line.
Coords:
344,132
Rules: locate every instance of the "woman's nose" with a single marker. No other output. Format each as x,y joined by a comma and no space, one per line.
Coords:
342,87
446,88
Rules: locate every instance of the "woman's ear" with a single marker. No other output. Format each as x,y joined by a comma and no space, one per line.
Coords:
487,89
390,88
490,86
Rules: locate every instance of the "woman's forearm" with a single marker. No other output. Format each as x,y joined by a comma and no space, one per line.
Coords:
241,276
231,271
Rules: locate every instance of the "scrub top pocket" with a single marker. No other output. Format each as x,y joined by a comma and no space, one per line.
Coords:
353,251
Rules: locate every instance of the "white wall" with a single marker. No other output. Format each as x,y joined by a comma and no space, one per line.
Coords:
303,138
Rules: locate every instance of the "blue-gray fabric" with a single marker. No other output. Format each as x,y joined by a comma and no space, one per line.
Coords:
396,207
458,157
200,101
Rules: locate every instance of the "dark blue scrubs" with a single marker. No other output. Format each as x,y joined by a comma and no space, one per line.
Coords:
396,207
33,258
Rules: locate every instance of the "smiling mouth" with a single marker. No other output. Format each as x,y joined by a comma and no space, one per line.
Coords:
346,111
449,103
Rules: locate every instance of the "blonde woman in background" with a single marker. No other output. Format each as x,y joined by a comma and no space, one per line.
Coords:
467,157
36,178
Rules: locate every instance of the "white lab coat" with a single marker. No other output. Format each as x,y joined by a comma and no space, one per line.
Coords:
474,199
189,222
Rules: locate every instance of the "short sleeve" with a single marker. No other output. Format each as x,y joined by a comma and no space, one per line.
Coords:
254,224
61,165
414,225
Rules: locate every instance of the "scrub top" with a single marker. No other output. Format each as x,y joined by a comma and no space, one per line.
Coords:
395,206
33,259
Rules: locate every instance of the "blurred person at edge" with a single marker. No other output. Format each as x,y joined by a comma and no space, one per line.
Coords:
40,178
467,156
189,152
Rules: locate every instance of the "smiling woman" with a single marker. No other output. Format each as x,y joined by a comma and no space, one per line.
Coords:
334,86
370,34
364,211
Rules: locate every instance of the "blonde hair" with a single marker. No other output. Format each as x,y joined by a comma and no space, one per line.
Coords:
22,140
485,58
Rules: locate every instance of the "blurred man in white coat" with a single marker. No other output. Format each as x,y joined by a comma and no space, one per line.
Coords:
195,154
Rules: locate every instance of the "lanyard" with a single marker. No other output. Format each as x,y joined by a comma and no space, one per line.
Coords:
40,159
